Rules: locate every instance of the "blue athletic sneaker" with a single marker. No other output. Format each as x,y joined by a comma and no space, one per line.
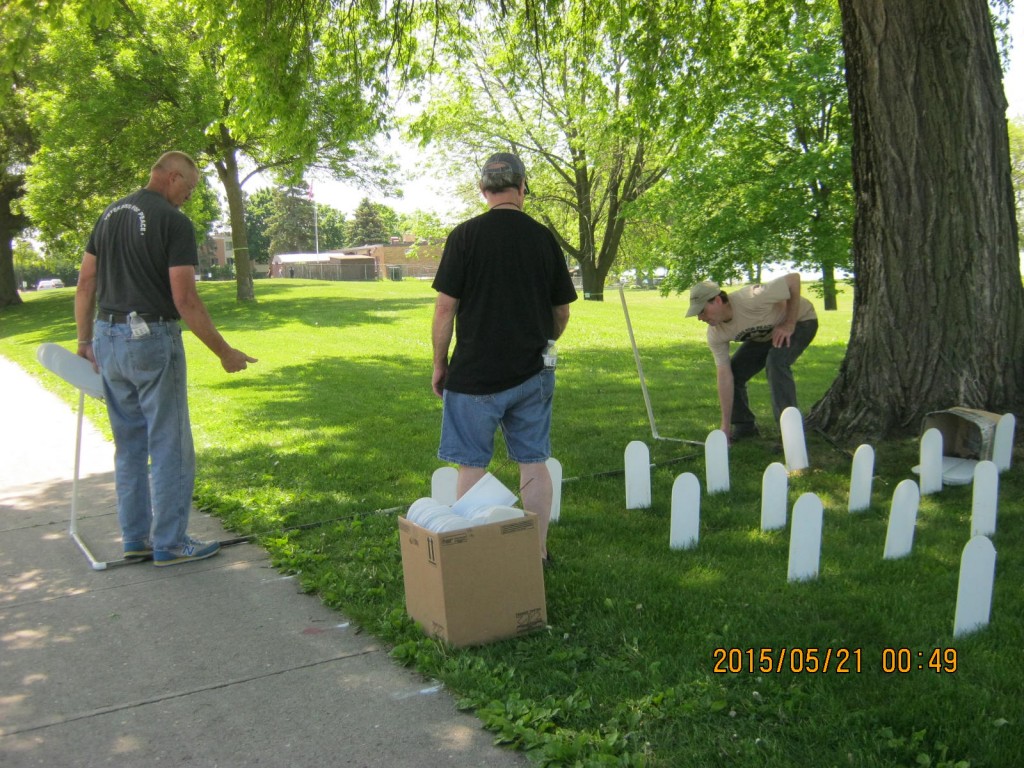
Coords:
191,549
138,548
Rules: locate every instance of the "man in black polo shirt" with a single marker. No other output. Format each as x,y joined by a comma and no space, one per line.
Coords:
139,267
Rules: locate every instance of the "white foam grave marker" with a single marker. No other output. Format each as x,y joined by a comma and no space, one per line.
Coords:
985,499
555,469
444,485
792,425
931,461
899,538
638,475
774,492
861,476
805,538
1002,444
685,527
974,593
716,462
75,370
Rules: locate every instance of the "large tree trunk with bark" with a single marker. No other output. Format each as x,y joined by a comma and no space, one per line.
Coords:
938,316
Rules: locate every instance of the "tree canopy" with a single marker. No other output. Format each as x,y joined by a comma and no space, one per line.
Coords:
284,86
596,97
771,184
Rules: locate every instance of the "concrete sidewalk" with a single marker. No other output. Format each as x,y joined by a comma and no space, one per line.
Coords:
221,662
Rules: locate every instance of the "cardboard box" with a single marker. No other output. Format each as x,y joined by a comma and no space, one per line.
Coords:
967,433
476,585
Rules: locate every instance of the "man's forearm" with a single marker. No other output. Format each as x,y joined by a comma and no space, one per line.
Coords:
443,328
793,305
198,320
85,310
725,395
442,341
85,300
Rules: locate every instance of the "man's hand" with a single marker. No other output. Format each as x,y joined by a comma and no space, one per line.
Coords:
438,379
85,350
235,360
781,334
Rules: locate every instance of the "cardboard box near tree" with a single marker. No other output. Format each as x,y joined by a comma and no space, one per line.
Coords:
968,437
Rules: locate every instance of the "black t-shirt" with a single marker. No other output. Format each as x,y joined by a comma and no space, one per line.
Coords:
135,242
507,271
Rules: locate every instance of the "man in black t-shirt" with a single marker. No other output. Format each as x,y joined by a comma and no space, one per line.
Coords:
504,290
137,280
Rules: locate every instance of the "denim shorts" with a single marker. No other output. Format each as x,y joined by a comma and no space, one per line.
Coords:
523,412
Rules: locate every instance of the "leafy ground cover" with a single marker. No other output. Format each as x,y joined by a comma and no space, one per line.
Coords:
651,656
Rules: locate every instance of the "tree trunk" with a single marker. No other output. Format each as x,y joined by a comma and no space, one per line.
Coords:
828,284
8,286
10,225
593,280
938,314
227,170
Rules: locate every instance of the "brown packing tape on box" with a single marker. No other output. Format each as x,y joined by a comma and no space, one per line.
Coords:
476,585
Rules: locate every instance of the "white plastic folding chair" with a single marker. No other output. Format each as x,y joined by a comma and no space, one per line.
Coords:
78,372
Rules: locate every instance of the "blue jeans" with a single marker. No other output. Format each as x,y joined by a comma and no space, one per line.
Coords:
752,356
147,401
523,412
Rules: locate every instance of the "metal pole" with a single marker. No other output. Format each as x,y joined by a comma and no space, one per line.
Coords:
639,365
643,381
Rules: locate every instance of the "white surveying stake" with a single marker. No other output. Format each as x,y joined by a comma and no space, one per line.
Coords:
643,381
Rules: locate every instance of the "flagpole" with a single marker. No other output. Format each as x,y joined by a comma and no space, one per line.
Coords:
316,228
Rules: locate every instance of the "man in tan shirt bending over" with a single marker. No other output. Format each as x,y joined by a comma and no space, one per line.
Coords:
774,325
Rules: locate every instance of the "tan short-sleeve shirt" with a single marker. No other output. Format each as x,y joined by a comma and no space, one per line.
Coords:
756,310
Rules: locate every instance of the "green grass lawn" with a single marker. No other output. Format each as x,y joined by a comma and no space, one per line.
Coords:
337,425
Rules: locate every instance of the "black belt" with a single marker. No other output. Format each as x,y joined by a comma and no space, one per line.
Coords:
120,317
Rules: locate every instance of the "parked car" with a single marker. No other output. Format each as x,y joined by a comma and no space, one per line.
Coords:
56,282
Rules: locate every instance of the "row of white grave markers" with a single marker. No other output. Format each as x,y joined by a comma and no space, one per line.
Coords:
978,559
637,460
984,499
